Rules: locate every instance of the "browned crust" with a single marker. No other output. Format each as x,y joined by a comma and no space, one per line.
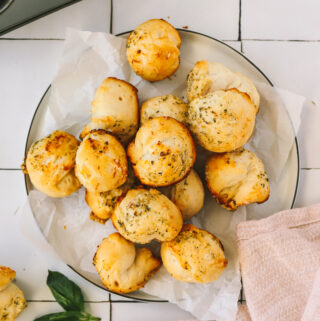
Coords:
138,286
167,76
23,167
103,131
194,156
135,91
97,219
168,23
178,46
7,273
231,205
191,227
219,200
113,218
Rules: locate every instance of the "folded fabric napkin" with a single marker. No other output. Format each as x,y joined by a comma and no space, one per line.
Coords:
280,266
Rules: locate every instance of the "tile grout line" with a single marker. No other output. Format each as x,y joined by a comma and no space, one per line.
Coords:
59,39
10,169
239,22
110,304
239,26
111,17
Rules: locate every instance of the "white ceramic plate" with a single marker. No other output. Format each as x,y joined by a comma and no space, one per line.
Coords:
195,47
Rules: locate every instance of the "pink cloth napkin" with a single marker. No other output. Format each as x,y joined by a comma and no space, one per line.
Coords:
280,266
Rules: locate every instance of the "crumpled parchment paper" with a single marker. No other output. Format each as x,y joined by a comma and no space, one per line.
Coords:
87,59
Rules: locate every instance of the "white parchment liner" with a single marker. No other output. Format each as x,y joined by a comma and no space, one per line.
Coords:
87,59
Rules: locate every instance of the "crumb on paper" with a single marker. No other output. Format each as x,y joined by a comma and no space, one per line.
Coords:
95,218
185,27
168,17
64,227
314,103
24,167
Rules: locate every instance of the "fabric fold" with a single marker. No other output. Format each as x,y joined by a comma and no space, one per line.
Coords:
280,264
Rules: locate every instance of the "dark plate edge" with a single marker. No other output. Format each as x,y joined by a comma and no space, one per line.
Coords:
221,42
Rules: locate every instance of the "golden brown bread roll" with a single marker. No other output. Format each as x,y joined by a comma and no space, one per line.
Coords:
115,108
6,276
101,162
144,215
122,267
50,164
195,255
206,77
162,152
103,204
153,50
166,105
12,301
188,195
222,121
237,178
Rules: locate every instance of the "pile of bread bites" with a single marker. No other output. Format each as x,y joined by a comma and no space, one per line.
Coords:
126,154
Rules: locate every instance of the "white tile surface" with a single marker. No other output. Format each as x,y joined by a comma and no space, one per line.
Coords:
290,65
286,19
216,18
308,137
30,264
37,309
26,70
148,311
91,15
308,190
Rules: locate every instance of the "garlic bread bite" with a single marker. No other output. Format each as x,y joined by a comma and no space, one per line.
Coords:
153,50
12,300
144,215
206,77
162,153
195,255
222,121
101,162
237,178
6,276
122,267
167,105
50,164
188,195
103,204
115,109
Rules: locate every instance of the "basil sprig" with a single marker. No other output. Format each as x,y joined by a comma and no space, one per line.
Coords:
66,292
68,316
70,297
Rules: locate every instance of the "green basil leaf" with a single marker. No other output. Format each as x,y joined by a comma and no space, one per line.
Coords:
66,292
68,316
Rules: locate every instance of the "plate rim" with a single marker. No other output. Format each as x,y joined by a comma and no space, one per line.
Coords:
237,52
